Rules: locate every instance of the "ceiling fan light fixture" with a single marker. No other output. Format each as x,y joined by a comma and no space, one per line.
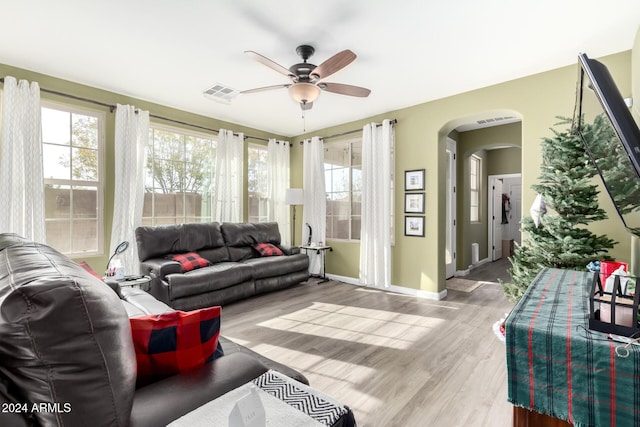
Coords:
304,92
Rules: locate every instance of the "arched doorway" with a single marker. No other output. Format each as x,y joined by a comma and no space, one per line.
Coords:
488,132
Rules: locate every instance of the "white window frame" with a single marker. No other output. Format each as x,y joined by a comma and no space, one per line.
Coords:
183,132
475,187
358,140
99,184
391,184
329,192
263,198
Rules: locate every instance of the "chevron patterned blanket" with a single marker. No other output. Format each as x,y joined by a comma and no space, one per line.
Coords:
286,403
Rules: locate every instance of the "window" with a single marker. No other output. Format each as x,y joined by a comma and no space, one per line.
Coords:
179,176
72,142
343,184
258,183
474,186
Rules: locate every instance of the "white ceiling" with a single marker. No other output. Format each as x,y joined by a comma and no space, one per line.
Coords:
409,51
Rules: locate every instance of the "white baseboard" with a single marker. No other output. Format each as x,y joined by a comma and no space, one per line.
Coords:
462,273
393,288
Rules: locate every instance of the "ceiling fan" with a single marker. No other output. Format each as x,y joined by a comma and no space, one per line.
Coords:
307,80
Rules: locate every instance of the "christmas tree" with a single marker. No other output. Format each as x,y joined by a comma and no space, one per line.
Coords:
560,238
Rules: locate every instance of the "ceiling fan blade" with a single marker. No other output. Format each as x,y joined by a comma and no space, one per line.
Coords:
334,64
304,106
265,88
269,63
343,89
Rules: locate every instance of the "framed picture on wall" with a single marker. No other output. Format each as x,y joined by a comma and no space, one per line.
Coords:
414,180
414,226
414,203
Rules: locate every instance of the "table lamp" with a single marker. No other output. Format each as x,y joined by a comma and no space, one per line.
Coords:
119,249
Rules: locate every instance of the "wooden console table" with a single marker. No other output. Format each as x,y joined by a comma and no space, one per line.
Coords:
558,371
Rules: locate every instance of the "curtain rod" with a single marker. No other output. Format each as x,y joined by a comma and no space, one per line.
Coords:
112,107
349,132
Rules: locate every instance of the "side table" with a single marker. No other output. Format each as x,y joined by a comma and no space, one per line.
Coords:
322,250
140,282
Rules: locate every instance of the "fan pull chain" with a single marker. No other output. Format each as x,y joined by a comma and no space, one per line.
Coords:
304,121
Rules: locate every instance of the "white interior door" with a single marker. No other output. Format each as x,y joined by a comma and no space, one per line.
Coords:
497,219
515,214
450,245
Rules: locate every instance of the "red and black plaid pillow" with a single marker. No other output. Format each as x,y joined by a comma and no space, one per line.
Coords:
189,261
174,342
267,249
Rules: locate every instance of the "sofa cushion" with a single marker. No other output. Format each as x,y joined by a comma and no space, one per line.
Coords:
215,255
157,241
267,249
189,261
207,279
140,303
174,342
65,337
160,403
240,237
277,266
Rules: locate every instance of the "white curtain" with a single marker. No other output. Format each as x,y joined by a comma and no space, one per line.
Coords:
228,187
375,233
132,136
21,175
315,201
278,163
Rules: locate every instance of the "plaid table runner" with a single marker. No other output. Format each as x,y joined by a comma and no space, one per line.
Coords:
557,366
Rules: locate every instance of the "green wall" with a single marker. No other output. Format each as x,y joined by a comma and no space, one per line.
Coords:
417,263
635,76
421,131
504,161
482,143
78,90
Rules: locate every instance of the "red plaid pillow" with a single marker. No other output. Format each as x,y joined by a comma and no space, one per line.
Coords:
170,343
189,261
267,249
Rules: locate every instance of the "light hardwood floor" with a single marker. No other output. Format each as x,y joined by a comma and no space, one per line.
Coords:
395,360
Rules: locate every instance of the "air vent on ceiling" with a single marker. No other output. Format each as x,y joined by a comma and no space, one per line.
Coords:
222,93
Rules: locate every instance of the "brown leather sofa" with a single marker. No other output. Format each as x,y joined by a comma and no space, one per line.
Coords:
237,271
66,352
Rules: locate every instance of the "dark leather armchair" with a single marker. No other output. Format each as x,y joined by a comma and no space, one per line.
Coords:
66,352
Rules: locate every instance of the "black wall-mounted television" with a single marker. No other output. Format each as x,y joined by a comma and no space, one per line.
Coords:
616,152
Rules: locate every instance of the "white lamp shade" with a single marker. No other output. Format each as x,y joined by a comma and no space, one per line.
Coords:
293,196
304,92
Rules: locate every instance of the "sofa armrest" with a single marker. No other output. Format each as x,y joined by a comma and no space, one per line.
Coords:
167,400
289,250
115,285
231,347
159,267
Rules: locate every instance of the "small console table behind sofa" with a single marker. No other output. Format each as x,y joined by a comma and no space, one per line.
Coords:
557,369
